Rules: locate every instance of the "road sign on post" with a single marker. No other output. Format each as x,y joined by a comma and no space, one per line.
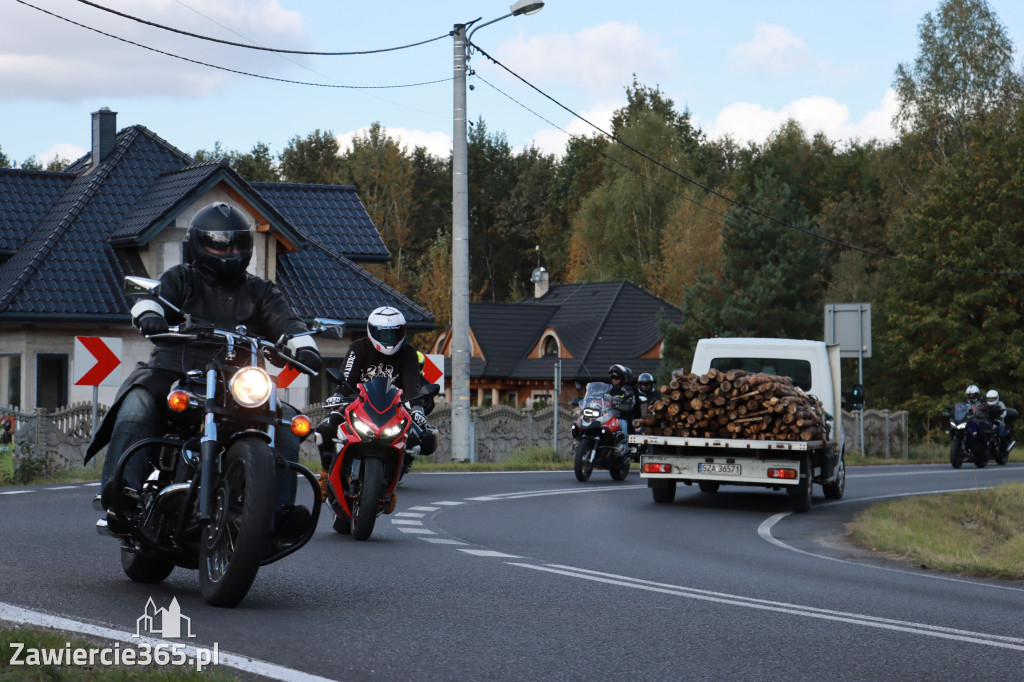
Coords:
433,369
849,325
97,361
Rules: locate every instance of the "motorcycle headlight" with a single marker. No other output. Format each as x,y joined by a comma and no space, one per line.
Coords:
962,426
590,413
363,428
393,431
250,386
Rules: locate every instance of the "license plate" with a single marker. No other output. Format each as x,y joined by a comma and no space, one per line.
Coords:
711,468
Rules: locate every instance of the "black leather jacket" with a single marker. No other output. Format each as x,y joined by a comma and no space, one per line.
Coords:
257,303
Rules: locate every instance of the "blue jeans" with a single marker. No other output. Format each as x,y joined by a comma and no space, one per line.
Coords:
139,417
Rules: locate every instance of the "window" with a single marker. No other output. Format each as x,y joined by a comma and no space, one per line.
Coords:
797,370
10,380
51,380
549,348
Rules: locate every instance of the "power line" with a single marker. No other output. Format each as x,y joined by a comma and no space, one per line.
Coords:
254,47
230,70
738,204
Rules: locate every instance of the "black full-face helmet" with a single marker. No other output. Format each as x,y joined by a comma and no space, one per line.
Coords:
220,241
620,372
645,382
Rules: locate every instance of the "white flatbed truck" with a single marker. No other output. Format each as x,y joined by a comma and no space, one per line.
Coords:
794,466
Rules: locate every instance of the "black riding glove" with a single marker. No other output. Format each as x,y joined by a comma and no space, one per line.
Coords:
420,418
152,323
310,358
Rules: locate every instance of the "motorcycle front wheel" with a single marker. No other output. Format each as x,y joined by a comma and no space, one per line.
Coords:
234,541
364,506
956,453
582,466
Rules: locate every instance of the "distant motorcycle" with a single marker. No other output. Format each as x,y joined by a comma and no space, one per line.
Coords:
373,444
974,436
598,436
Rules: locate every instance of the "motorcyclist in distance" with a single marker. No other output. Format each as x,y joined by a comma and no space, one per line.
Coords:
973,396
646,392
623,401
996,409
213,287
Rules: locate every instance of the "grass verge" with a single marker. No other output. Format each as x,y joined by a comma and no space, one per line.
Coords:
977,533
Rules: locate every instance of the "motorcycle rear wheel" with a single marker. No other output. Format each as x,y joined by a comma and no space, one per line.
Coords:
581,466
956,453
371,489
620,471
234,541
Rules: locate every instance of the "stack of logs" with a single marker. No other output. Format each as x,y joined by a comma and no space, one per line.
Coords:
734,404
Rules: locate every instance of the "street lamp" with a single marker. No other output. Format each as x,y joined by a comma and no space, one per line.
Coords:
460,348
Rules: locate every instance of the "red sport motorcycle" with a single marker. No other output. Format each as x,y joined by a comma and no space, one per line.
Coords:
374,436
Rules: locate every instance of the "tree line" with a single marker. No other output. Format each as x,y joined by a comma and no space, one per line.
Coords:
746,239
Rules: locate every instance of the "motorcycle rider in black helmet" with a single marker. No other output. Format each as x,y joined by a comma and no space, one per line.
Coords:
623,401
646,393
214,287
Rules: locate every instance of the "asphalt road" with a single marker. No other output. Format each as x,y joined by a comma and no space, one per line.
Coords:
526,576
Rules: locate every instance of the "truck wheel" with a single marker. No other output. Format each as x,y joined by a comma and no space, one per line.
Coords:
800,494
835,489
664,494
708,486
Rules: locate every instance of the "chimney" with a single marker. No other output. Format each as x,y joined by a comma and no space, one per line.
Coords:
104,134
541,282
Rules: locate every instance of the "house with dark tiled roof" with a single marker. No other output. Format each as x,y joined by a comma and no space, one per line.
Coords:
585,328
68,239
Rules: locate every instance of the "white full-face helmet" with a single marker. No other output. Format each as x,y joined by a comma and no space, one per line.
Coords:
386,328
973,394
992,397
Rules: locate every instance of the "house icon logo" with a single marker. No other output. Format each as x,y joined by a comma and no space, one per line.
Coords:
166,623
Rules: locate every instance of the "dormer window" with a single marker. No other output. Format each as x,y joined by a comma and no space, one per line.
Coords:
549,348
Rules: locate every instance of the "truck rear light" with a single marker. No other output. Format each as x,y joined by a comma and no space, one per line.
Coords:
783,473
657,468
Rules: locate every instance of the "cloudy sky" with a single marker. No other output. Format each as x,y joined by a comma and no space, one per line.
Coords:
741,68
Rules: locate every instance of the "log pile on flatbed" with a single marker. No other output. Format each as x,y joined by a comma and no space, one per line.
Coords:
734,404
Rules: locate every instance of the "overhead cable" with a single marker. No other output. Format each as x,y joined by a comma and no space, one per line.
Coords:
256,47
230,70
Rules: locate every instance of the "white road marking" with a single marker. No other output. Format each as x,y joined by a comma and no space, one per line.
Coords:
63,487
443,541
424,509
406,522
419,531
765,531
238,661
409,515
999,641
490,553
448,504
16,492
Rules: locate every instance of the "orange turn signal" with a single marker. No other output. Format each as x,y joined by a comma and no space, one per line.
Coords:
178,401
301,426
